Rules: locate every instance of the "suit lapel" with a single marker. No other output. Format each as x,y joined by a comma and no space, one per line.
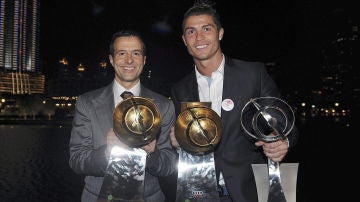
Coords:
104,108
144,92
233,90
230,81
191,89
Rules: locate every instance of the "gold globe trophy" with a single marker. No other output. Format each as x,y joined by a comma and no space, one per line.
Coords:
270,119
136,122
198,130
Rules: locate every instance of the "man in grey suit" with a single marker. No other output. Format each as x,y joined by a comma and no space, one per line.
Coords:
92,135
228,84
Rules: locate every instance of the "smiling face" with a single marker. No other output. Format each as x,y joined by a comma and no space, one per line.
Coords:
201,37
128,60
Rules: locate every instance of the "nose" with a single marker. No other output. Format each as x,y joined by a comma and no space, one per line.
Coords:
199,36
129,59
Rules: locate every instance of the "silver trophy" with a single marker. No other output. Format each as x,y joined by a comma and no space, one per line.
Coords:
271,119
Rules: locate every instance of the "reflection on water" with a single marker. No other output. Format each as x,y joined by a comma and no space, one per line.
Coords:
34,164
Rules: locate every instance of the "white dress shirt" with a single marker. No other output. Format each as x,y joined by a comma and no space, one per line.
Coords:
118,89
211,88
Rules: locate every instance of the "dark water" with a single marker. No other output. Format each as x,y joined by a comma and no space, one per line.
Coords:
34,163
326,165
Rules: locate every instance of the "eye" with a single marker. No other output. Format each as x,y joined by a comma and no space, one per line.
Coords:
190,31
137,53
120,53
207,28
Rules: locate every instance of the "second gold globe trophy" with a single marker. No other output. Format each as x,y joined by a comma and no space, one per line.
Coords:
198,130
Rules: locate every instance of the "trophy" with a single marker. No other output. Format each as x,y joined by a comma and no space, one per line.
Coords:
197,129
271,119
136,122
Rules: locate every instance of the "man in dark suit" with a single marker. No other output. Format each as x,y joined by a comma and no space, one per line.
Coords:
92,136
228,84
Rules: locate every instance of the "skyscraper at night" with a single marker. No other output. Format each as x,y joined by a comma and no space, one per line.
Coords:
340,77
19,47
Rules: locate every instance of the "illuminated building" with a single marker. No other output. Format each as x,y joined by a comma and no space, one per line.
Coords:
71,78
19,47
340,77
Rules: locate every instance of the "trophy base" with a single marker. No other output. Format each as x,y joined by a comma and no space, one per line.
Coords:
125,174
288,172
196,178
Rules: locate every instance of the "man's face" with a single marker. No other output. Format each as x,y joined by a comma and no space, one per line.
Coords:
128,60
202,37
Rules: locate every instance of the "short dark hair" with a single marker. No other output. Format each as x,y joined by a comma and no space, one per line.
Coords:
126,33
202,7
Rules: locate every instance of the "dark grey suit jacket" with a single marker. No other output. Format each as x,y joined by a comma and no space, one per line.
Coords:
236,151
92,121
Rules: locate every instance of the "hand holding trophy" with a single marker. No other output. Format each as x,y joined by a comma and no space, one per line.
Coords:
269,119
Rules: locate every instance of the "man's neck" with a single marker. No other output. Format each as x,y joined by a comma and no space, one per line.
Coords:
127,85
207,67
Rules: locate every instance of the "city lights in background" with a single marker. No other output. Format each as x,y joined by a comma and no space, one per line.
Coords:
56,84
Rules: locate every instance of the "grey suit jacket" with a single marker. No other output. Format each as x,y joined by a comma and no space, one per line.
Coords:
236,151
92,121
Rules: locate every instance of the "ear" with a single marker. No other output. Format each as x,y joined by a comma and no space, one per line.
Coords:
144,60
183,38
221,33
111,60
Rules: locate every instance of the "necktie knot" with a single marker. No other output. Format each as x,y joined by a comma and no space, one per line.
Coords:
126,94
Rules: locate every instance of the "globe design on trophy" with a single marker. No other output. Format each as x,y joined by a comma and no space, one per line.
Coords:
269,119
136,121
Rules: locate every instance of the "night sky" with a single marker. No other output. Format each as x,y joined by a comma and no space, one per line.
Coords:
289,33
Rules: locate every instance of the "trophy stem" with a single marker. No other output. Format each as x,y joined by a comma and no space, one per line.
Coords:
276,193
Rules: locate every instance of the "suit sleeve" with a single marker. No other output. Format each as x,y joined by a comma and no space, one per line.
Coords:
163,161
267,84
175,101
84,158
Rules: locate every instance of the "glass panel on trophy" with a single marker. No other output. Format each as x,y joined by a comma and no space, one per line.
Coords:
270,119
136,122
198,129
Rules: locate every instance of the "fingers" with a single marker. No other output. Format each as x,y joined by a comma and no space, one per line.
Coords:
276,151
259,143
150,148
112,140
276,156
110,133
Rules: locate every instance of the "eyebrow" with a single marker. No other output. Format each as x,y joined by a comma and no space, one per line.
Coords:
207,25
140,50
123,50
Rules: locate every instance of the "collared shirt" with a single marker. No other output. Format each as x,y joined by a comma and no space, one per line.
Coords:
118,89
211,88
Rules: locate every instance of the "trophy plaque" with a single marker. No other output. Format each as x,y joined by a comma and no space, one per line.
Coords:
197,129
271,119
136,122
